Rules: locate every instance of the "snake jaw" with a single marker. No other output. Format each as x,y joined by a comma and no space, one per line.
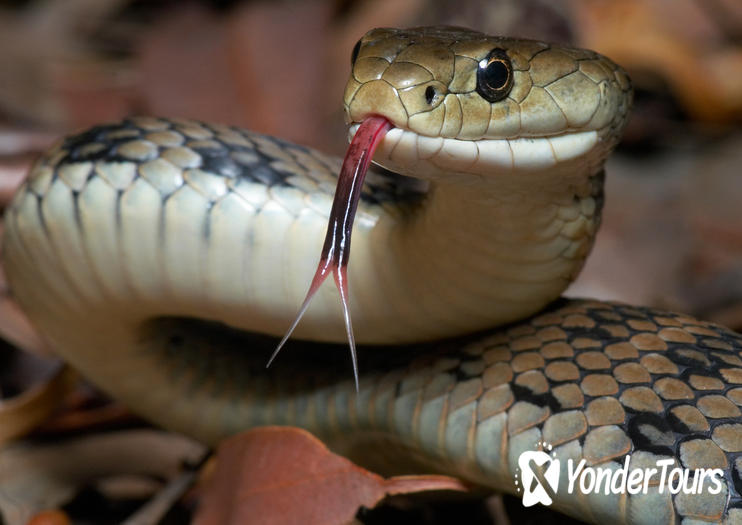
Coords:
336,248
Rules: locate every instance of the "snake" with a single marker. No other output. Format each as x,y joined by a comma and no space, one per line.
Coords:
164,258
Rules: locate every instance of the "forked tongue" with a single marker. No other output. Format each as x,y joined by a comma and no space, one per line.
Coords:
336,250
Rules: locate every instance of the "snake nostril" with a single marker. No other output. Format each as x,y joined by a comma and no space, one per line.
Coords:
430,94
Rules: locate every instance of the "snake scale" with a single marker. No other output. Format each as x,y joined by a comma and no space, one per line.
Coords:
149,251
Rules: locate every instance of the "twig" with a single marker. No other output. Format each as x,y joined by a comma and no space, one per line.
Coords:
155,509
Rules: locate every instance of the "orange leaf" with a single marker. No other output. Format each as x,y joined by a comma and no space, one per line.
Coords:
282,475
50,517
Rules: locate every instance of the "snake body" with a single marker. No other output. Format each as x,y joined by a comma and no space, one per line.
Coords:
140,248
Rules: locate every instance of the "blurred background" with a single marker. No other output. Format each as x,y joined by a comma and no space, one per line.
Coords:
672,228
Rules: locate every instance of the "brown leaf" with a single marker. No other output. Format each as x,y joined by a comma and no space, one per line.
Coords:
38,475
677,41
50,517
24,412
86,410
282,475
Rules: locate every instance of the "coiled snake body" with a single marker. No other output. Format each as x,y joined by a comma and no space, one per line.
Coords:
131,245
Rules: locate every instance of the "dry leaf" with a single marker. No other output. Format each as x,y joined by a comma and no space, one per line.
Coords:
47,475
50,517
22,413
86,410
675,40
22,143
282,475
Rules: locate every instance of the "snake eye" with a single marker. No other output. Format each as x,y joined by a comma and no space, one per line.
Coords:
494,75
354,53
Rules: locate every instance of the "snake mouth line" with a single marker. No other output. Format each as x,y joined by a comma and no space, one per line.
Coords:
420,155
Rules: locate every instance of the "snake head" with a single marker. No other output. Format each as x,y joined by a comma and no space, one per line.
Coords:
443,102
464,102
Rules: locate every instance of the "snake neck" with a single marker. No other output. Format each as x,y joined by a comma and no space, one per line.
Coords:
505,250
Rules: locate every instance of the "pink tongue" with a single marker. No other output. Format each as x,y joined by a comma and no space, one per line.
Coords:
336,250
